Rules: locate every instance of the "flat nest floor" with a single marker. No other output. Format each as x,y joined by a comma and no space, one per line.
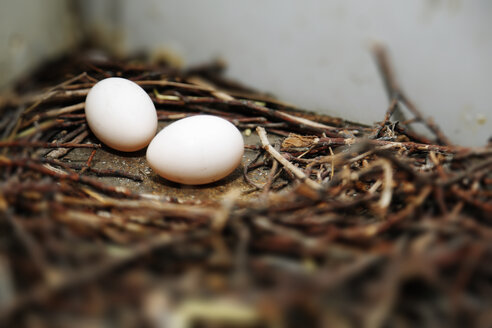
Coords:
326,223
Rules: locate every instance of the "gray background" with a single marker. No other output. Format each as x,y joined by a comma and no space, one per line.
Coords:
312,53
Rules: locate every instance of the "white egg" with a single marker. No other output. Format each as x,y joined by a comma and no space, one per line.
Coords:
196,150
121,114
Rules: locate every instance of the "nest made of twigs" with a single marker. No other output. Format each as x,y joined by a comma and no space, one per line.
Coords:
345,225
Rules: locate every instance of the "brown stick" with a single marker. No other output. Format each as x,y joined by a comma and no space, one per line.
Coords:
35,166
57,153
293,120
40,144
394,91
288,165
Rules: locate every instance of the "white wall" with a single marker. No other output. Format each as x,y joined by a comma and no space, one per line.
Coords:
314,53
32,32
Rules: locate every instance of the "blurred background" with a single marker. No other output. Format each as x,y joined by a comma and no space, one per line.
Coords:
314,54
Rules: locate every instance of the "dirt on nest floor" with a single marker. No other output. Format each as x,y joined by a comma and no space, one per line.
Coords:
136,164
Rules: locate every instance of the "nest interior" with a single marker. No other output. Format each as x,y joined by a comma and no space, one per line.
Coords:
325,223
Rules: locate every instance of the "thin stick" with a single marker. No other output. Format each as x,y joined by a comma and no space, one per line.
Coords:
91,273
394,91
52,91
293,120
246,170
390,85
389,112
40,144
164,83
325,142
56,95
91,157
216,93
54,113
288,165
429,122
35,166
64,138
33,248
57,153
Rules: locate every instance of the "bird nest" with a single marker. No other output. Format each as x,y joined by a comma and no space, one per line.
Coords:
325,223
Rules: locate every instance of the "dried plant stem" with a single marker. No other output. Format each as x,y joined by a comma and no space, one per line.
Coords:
57,153
288,165
394,92
294,120
40,144
91,273
54,113
33,165
408,145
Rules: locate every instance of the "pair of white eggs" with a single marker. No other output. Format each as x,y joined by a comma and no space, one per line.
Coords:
195,150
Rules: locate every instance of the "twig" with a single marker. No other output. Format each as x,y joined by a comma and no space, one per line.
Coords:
288,165
54,113
57,153
32,165
91,273
297,121
394,92
40,144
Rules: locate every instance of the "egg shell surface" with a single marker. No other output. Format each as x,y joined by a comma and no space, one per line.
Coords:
121,114
196,150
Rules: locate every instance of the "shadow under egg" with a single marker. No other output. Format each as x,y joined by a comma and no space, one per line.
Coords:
227,180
